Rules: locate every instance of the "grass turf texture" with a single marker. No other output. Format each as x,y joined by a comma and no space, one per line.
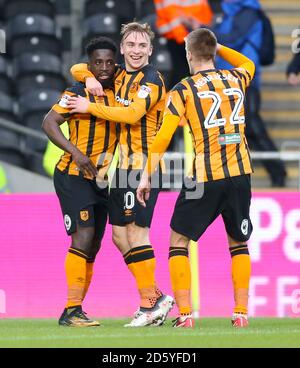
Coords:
208,332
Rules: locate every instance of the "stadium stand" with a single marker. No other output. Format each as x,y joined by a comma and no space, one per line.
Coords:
125,10
32,75
38,70
34,104
105,24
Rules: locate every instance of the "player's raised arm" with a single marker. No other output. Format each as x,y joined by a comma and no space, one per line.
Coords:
236,59
81,73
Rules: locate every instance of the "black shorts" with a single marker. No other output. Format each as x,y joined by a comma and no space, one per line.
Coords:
124,207
229,197
81,202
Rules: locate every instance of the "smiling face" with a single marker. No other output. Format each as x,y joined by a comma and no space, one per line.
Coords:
102,65
136,48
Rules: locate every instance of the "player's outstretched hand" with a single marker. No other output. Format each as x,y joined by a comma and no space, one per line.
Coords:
94,86
143,190
78,104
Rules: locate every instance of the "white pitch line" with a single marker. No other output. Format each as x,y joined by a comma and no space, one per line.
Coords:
167,333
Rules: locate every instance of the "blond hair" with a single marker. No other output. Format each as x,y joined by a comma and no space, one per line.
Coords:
129,28
202,44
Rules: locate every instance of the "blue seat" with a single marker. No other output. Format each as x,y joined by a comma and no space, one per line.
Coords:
101,24
123,9
35,43
35,81
37,101
163,62
39,62
30,24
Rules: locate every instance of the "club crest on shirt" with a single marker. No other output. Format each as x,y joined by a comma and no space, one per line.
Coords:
63,102
84,215
133,87
144,91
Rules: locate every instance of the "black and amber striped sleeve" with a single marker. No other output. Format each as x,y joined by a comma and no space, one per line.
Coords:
243,65
61,106
175,104
244,75
80,72
147,95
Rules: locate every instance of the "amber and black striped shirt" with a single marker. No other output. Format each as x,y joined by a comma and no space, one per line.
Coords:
94,137
213,103
142,93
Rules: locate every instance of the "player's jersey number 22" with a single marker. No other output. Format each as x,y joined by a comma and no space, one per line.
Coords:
211,120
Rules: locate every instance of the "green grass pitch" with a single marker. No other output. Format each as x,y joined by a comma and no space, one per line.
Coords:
208,332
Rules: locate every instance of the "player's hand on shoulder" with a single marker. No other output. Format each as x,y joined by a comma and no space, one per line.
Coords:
94,87
78,104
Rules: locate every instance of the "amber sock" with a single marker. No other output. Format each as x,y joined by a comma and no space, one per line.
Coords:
89,275
152,262
180,272
143,270
241,270
128,260
75,266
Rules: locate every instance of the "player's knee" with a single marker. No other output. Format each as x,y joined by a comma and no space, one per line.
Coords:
137,235
83,239
118,240
95,248
178,240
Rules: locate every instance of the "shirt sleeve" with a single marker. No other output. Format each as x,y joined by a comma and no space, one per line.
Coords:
146,97
175,102
241,63
80,72
162,141
61,106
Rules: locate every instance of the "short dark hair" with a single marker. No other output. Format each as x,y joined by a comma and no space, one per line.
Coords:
100,43
202,43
